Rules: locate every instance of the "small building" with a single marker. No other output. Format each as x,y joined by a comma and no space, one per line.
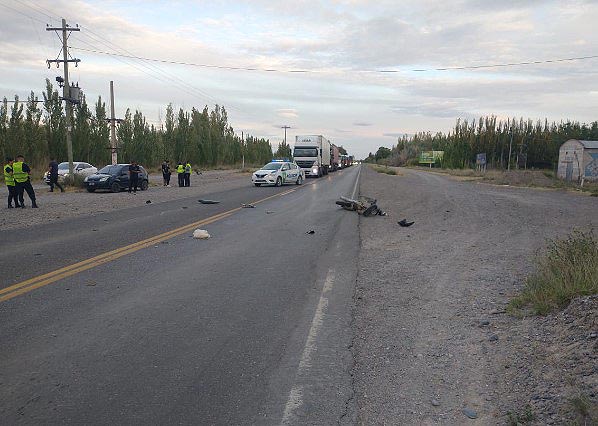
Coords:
578,160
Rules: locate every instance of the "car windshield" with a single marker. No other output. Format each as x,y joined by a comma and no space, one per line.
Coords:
305,152
110,170
63,166
272,166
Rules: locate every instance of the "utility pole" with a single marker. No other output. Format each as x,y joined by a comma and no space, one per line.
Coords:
112,126
66,93
285,127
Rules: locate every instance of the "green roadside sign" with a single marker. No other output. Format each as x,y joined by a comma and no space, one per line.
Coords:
430,157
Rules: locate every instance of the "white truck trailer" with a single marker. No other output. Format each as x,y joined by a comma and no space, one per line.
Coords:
312,154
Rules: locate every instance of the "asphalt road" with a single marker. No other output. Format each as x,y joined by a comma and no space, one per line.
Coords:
249,327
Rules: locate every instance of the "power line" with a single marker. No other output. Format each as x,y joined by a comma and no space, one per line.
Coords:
386,71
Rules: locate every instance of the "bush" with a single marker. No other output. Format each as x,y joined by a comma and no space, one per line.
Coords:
569,269
76,181
386,170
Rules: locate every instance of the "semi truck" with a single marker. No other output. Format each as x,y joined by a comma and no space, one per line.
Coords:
312,154
335,158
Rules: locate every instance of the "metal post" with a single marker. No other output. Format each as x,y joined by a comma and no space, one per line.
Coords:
113,149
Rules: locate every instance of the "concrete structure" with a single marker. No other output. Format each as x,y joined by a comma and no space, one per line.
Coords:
578,160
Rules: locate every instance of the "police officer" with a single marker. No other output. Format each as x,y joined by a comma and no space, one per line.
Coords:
134,171
166,172
21,172
187,174
53,175
9,180
180,169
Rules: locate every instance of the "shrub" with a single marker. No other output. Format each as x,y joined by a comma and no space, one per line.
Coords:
568,269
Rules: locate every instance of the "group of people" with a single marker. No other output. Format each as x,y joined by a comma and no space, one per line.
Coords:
183,173
17,177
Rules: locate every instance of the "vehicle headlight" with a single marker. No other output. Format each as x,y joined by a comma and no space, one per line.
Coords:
314,170
104,179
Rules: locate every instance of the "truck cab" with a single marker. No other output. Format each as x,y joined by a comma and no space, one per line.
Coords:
312,154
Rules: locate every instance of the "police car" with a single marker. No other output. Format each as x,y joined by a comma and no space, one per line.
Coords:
277,173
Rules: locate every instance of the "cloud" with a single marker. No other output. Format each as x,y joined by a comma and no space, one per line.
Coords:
362,124
395,135
287,113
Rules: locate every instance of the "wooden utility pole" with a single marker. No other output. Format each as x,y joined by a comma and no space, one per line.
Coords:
243,150
113,148
66,88
285,127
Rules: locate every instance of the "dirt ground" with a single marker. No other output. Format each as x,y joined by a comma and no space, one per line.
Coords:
433,343
56,205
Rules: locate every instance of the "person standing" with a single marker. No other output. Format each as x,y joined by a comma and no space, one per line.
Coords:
180,170
22,174
134,172
53,173
9,180
166,172
187,174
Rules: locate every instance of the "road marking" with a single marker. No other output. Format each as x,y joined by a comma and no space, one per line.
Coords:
67,271
356,183
295,399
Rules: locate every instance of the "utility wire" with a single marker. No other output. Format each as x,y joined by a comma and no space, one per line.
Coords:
458,68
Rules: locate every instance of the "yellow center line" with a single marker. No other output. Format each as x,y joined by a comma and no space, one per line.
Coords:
67,271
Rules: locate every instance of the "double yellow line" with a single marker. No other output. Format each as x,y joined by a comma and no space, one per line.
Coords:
67,271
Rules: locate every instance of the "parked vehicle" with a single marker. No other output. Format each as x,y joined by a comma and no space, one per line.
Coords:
335,158
278,173
312,154
80,168
114,178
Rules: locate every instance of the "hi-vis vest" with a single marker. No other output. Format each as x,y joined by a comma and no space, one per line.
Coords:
17,172
180,168
9,180
188,168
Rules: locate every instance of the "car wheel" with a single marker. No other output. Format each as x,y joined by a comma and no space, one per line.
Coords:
299,180
278,181
115,187
91,189
144,185
257,184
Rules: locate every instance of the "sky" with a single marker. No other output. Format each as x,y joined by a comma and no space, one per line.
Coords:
340,45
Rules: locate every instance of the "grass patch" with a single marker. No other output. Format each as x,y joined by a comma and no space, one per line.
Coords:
567,270
525,417
387,170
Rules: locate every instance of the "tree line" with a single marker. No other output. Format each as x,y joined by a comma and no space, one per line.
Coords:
36,128
537,142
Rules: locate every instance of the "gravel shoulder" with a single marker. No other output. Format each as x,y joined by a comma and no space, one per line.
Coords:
56,206
432,342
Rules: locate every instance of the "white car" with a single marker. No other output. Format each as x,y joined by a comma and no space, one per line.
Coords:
81,169
278,173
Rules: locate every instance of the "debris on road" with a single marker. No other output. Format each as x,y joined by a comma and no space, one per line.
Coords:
148,202
404,223
364,206
269,212
208,201
311,232
247,206
470,413
201,234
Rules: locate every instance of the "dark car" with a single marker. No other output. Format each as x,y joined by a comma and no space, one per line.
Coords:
114,178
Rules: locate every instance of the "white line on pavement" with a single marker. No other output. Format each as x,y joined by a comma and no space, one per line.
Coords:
356,183
295,399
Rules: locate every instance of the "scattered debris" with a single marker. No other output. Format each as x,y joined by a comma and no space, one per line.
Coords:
365,206
148,202
269,212
208,201
201,234
311,232
247,206
404,223
184,207
470,413
435,402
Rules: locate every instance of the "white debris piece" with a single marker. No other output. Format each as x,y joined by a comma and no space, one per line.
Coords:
201,234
